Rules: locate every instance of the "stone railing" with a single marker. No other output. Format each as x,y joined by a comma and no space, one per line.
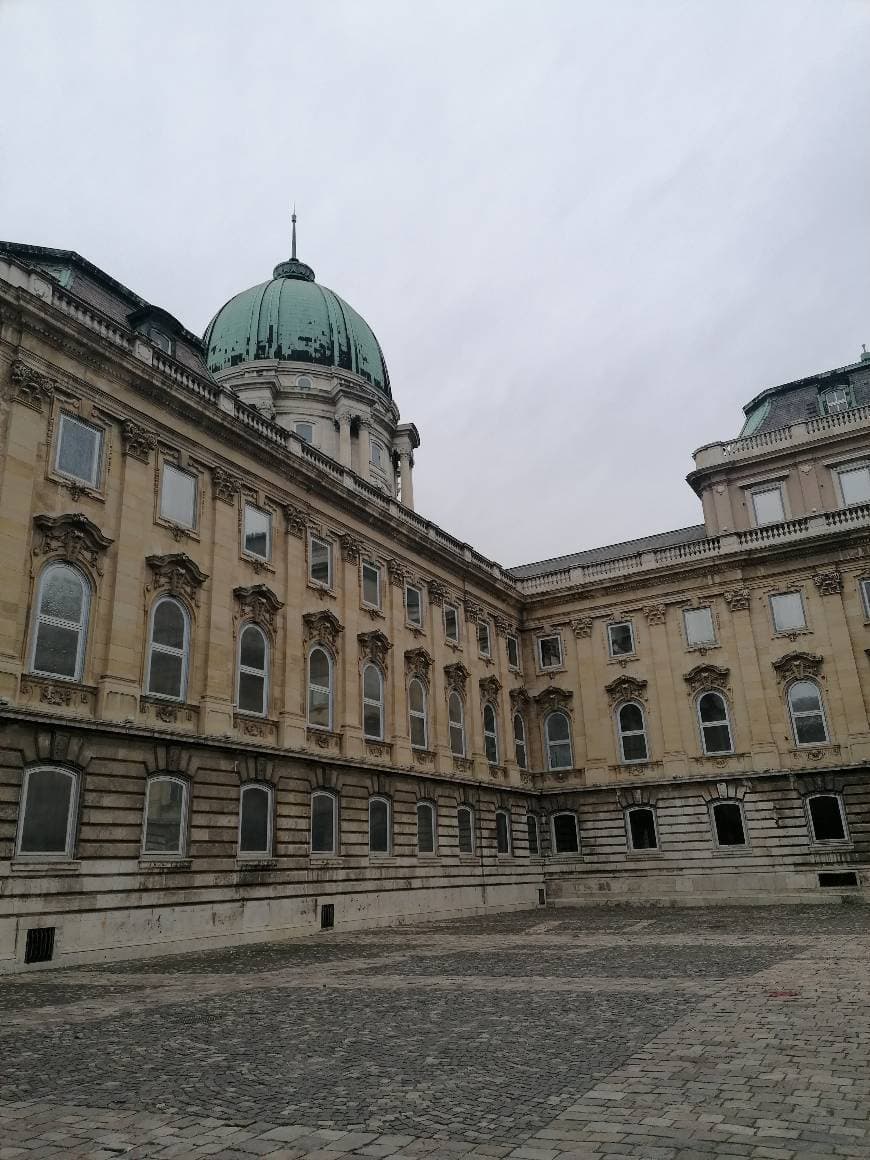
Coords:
780,438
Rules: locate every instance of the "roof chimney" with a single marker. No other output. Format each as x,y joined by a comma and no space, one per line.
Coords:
865,353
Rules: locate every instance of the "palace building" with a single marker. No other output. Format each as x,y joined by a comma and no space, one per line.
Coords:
247,691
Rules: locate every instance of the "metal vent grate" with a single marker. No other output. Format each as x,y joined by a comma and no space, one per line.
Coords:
327,916
838,878
40,944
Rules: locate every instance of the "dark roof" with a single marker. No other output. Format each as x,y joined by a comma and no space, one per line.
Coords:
610,552
798,401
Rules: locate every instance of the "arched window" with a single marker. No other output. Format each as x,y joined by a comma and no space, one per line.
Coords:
47,814
566,837
532,826
425,828
520,741
641,825
379,826
455,718
827,818
807,715
557,729
502,832
728,827
168,650
255,820
715,726
632,733
417,714
320,688
165,816
324,822
61,624
490,734
373,703
465,820
253,664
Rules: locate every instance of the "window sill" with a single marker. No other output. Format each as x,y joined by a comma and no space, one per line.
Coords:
729,851
702,649
623,660
258,563
549,672
832,845
791,633
177,531
166,865
34,866
77,487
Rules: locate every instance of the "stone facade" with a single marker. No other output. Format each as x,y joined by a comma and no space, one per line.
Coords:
541,661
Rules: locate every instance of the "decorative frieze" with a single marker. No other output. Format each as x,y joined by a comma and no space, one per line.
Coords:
581,626
829,583
176,574
72,537
703,678
225,485
456,676
655,613
32,388
259,603
418,663
554,698
437,592
322,626
626,688
737,599
138,441
490,687
797,666
374,646
351,548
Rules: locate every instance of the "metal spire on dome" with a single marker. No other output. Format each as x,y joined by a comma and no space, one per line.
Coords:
293,220
294,268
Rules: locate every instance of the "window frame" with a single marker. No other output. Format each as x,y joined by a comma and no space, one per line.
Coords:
249,505
520,741
533,825
184,651
168,466
548,743
846,840
712,640
64,418
422,716
864,591
728,846
380,799
455,610
408,618
332,852
330,564
269,790
629,836
762,489
377,460
264,673
512,638
453,724
779,631
427,804
305,423
845,469
847,399
807,713
183,826
621,624
315,647
484,626
621,733
372,566
82,629
69,850
508,831
491,746
464,807
380,703
557,853
726,721
539,649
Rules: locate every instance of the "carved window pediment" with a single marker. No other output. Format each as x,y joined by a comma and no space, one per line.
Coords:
177,574
298,520
626,688
738,599
437,592
397,572
322,626
71,537
418,663
259,603
520,700
351,548
226,485
138,441
457,676
490,687
473,611
503,626
582,626
704,677
829,583
32,388
374,646
797,666
554,698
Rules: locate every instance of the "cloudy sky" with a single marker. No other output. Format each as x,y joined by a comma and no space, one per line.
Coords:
585,232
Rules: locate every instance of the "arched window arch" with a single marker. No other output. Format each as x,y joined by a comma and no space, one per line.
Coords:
379,826
426,830
631,727
490,734
520,741
465,822
557,731
456,722
373,703
168,649
319,688
807,713
715,723
256,810
252,688
566,836
324,822
47,813
827,818
60,630
417,712
166,808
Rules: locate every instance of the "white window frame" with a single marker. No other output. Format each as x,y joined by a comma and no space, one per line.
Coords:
93,480
408,618
166,471
726,721
333,799
846,400
270,824
379,575
820,712
470,811
378,704
763,489
560,663
252,507
548,743
425,803
315,647
384,801
610,629
183,652
533,822
513,665
490,735
744,845
305,423
520,742
183,836
565,814
312,540
629,840
506,814
60,622
416,714
838,798
484,626
621,734
72,814
699,642
454,609
788,628
845,469
453,724
247,669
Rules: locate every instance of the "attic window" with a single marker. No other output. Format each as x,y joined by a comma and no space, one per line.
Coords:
835,400
161,340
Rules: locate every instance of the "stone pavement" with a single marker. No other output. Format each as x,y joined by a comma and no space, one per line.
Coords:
568,1034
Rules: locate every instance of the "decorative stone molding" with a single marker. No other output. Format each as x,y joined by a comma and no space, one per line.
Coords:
374,646
635,796
437,592
829,583
32,388
397,572
626,688
498,771
138,441
703,678
797,666
379,749
418,663
582,626
462,765
473,611
725,791
225,485
820,783
554,698
351,548
298,520
259,603
324,739
58,694
737,599
322,626
176,574
423,756
456,676
490,687
817,753
71,537
655,613
520,700
503,626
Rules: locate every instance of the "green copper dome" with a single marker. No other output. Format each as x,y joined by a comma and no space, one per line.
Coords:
292,317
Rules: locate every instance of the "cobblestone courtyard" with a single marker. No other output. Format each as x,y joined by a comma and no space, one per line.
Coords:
547,1035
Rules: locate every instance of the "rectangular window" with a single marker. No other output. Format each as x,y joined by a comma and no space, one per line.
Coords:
642,829
865,598
320,562
855,485
425,828
728,824
258,532
78,450
413,605
483,642
787,609
768,506
451,623
699,626
502,832
826,818
550,652
376,452
513,652
465,820
178,496
621,639
836,400
566,839
305,431
371,584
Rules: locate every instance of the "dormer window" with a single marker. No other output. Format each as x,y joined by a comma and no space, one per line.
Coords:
161,340
835,400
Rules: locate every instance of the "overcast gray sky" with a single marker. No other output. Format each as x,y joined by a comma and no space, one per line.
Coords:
584,232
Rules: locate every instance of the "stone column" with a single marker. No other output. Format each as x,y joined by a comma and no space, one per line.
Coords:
406,479
344,419
765,752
